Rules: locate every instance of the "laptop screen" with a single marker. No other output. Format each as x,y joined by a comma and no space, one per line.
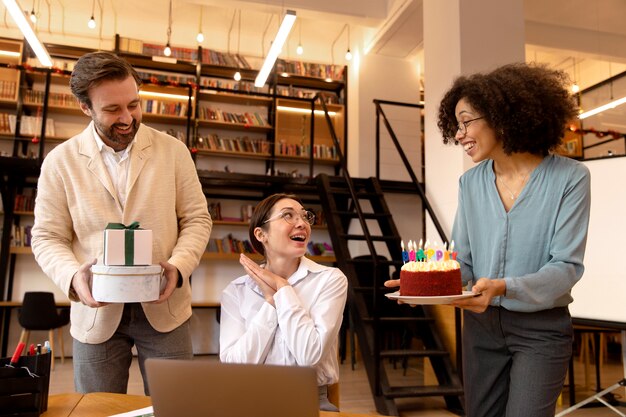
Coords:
210,388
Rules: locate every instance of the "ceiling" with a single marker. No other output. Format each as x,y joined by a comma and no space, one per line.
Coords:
586,38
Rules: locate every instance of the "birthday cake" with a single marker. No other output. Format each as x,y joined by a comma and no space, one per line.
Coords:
430,273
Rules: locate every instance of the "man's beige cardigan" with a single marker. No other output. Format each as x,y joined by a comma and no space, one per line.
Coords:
76,200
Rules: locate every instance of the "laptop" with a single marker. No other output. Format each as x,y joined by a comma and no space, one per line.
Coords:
214,389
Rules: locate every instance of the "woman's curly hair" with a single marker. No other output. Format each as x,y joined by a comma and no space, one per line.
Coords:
527,105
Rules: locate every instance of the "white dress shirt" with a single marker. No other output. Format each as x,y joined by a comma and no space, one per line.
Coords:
301,330
117,165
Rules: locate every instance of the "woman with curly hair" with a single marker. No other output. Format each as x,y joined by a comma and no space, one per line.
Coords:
520,232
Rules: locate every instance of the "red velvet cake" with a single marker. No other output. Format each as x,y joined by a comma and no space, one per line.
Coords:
433,278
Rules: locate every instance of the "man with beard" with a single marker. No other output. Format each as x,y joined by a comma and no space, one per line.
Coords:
119,171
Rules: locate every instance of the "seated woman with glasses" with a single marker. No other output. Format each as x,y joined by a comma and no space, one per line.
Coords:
288,310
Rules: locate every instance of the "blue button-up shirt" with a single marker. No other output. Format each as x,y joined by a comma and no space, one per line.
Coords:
538,246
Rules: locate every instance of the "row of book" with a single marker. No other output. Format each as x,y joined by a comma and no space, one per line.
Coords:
214,142
7,90
166,108
62,64
246,86
253,119
184,54
291,91
166,78
319,151
54,99
308,69
29,125
24,202
229,244
20,235
213,57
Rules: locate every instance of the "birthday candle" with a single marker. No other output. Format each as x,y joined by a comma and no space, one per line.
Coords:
452,253
411,251
405,254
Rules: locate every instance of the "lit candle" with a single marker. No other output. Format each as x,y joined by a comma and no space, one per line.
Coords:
411,251
439,254
446,253
452,252
405,254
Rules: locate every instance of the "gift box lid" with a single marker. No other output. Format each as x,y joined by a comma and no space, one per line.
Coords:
126,270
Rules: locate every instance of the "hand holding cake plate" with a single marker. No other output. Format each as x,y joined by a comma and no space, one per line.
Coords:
429,300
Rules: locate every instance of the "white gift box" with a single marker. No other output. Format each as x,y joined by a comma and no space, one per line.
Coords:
126,284
115,247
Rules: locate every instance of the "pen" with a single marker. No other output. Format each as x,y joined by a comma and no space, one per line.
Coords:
46,345
38,348
16,355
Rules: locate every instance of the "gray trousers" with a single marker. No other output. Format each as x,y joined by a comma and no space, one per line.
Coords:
514,364
104,367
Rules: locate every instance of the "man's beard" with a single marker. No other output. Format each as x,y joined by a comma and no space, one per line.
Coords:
117,140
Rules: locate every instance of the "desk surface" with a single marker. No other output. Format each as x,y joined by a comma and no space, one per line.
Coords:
102,404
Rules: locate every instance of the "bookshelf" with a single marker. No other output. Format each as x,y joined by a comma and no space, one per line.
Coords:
231,127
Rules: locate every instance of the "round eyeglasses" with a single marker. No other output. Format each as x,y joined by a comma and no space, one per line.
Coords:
291,216
463,125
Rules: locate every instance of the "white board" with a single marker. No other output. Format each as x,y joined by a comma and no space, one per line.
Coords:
601,293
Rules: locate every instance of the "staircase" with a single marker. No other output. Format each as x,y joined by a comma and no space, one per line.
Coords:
356,211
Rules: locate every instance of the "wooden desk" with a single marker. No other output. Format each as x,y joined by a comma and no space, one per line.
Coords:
102,404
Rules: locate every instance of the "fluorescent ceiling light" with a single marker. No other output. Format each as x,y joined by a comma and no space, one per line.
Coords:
27,31
164,95
12,54
277,46
602,108
298,110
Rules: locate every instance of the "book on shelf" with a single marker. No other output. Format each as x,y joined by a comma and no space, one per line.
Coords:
215,210
164,108
184,54
229,244
309,69
130,45
20,236
245,118
6,125
284,148
7,89
162,77
320,249
31,125
24,202
214,142
243,86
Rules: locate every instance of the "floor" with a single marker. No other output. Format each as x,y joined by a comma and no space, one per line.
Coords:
355,394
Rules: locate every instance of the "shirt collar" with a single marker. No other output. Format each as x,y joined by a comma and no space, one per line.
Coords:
101,145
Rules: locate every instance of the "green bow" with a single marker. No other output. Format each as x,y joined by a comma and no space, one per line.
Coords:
129,239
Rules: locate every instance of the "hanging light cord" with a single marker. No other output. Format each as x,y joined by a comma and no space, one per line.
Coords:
169,24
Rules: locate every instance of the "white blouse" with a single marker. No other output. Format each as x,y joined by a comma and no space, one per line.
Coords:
301,330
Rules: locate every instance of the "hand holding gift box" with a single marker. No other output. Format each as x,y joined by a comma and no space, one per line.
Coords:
127,245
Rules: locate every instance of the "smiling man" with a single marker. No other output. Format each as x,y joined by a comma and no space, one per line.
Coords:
119,171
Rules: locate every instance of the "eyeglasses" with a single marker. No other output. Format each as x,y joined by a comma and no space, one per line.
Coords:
291,216
463,125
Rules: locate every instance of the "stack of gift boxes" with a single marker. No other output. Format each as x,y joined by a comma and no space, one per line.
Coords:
127,274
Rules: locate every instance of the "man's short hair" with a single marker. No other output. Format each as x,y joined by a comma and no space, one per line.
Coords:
95,67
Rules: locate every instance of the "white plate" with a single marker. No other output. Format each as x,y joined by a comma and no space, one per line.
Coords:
442,299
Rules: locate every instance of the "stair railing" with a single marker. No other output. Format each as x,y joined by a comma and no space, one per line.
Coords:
380,114
366,233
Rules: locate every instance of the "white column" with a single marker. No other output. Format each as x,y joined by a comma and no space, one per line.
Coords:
461,37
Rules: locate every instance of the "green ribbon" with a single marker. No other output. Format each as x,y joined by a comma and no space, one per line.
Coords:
129,239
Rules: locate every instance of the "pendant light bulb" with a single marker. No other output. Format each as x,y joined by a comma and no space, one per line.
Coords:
167,51
237,76
299,49
92,23
33,16
200,37
348,55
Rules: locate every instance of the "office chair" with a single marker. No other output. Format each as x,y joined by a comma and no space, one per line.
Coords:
39,312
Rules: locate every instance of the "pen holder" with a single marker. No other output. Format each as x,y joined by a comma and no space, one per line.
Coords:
24,388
